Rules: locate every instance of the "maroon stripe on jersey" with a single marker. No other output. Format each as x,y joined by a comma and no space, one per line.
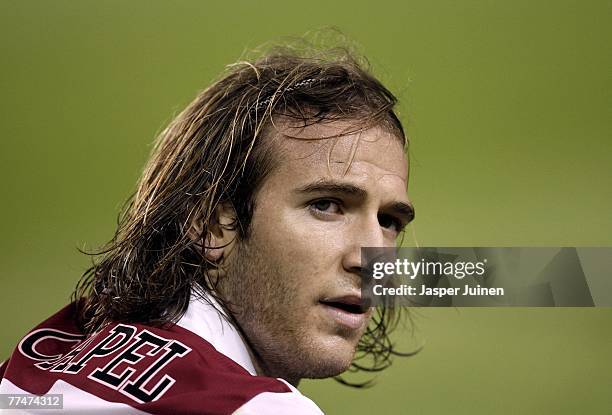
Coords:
3,369
156,370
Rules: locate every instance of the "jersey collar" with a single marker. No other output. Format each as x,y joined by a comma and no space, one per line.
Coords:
204,319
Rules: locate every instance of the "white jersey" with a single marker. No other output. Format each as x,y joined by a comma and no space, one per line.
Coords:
199,366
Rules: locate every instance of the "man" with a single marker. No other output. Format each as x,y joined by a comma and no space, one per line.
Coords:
235,270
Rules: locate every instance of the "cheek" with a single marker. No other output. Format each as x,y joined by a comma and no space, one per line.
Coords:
292,229
303,251
303,239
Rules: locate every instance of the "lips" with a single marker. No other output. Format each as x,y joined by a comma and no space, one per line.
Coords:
349,310
349,303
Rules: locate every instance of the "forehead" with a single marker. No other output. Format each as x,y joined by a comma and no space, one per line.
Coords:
335,151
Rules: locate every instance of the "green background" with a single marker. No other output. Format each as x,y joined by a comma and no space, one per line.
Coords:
508,107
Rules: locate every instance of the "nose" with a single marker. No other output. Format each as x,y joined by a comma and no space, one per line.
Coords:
363,234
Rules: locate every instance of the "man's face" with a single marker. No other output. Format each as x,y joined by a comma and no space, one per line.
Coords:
293,285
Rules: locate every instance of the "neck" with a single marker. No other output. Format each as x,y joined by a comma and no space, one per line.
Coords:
259,363
262,368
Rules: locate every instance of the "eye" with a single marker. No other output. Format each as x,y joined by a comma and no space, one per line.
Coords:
391,223
325,206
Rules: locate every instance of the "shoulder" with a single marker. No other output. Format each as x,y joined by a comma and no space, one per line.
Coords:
292,402
148,369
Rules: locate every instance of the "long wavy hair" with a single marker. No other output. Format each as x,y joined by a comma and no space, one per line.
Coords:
215,152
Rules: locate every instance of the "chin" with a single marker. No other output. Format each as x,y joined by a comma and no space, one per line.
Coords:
322,369
331,369
330,357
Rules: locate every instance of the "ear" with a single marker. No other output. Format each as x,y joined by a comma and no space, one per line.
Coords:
220,239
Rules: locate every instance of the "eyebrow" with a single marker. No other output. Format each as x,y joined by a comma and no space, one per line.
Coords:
326,186
403,210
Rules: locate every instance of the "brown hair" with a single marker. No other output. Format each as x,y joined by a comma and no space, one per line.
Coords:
213,152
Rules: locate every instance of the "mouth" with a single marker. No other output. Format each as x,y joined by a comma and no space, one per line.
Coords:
350,310
350,303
